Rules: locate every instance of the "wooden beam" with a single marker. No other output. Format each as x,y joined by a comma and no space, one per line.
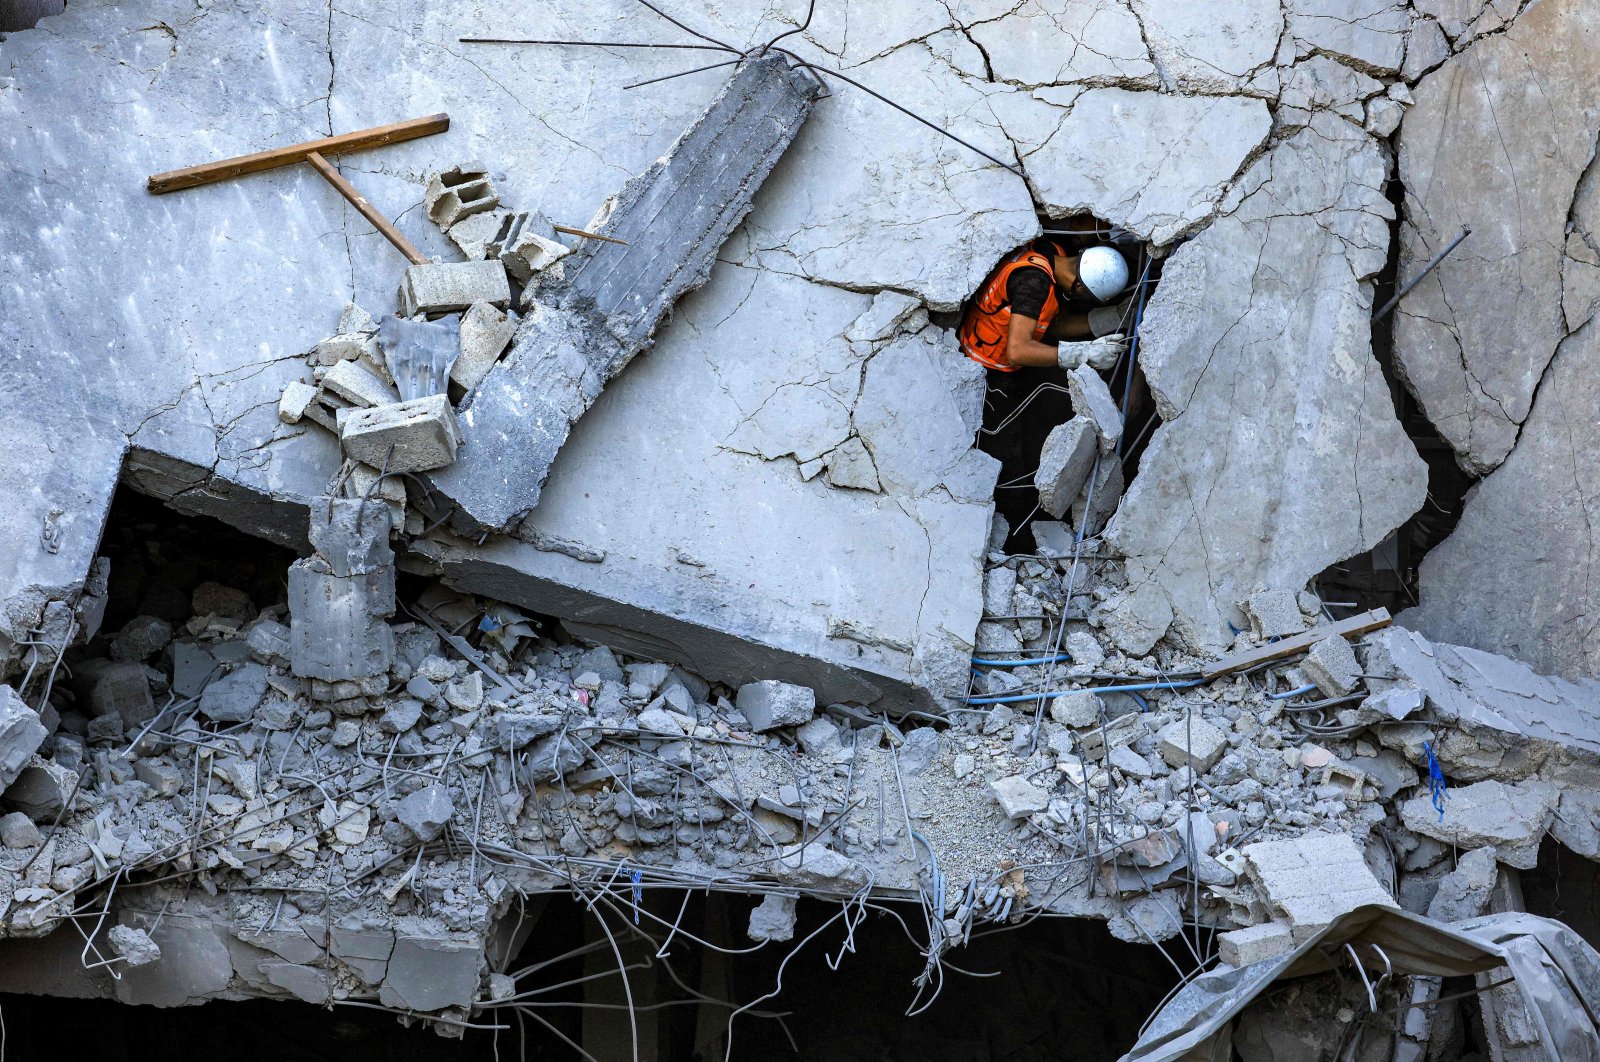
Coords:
368,211
1353,627
360,140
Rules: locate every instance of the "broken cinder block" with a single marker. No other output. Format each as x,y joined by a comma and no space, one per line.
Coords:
1245,947
527,244
459,192
422,433
451,286
769,704
1332,665
485,331
359,385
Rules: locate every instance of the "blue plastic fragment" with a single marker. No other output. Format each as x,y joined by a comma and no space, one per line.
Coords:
1435,780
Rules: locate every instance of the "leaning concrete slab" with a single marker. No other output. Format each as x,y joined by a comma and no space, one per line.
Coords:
602,305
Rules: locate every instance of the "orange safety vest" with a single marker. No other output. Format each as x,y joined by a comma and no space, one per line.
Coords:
987,325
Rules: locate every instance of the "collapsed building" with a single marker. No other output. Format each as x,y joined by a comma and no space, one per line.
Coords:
578,550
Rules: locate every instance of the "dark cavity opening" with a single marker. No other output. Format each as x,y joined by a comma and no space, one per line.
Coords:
1021,408
1387,576
18,15
1060,988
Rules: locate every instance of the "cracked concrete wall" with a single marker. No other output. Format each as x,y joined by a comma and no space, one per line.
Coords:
1259,335
1498,343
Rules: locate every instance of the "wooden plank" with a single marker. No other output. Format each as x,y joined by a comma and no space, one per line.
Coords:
1353,627
368,211
360,140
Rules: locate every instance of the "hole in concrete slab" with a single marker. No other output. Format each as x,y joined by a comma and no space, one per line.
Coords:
1022,407
1387,575
1062,988
18,15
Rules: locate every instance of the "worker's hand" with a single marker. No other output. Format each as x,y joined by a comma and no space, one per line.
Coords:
1099,354
1118,317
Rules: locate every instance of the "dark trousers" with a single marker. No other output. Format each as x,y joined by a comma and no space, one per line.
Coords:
1016,445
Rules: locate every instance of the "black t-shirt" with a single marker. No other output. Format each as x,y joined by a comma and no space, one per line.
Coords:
1027,289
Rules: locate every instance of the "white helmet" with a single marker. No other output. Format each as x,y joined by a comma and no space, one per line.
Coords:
1103,271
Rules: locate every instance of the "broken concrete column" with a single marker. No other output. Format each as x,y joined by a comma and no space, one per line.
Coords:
606,300
338,599
413,436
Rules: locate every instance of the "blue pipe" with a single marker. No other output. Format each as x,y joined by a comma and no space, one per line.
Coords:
1012,698
1291,693
1057,659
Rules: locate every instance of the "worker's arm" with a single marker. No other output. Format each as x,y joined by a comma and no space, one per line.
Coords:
1022,350
1069,328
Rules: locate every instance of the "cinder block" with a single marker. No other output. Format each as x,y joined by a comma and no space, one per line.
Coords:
354,382
485,331
458,193
769,704
1245,947
1332,665
422,433
528,244
443,288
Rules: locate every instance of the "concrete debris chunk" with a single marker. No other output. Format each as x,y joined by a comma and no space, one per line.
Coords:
120,688
1274,614
428,972
816,867
1193,743
41,790
1313,879
1332,665
527,244
414,436
1135,621
485,331
1019,797
18,831
141,638
773,918
233,698
1079,709
426,811
475,232
133,944
1396,703
21,734
1096,741
1065,464
1091,399
359,385
769,704
459,192
351,536
1511,817
452,286
1253,944
850,467
345,347
1464,892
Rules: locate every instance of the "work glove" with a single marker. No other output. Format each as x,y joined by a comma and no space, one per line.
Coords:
1099,354
1104,320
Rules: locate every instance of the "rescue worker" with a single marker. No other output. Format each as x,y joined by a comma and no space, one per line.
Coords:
1049,306
1030,312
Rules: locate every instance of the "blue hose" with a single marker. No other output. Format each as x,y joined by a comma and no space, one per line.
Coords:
1059,658
1292,693
1012,698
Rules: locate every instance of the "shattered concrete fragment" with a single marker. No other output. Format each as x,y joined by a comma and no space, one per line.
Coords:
41,790
18,831
426,812
120,688
773,918
21,734
1191,743
1065,464
1091,400
415,436
1464,892
819,868
1019,797
1332,665
359,385
526,244
485,331
1273,614
234,697
1511,817
1135,621
769,704
133,944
